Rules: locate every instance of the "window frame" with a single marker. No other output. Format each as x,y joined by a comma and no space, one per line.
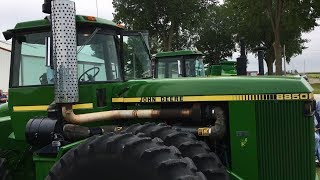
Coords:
13,62
123,33
182,60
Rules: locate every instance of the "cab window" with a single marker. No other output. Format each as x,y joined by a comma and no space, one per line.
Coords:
97,59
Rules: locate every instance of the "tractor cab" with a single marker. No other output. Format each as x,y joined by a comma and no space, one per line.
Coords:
99,43
174,64
224,68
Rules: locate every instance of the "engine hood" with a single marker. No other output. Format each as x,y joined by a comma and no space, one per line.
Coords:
212,86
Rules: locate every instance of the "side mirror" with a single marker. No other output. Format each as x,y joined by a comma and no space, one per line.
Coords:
7,35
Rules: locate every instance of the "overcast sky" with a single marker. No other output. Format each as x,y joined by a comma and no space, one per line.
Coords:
13,11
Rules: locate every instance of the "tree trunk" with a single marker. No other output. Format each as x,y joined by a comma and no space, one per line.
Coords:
277,52
275,11
269,62
167,41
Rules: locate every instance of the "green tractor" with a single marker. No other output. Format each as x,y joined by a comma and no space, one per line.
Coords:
73,113
225,68
174,64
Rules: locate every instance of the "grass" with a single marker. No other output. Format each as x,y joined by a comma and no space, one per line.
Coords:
313,75
316,88
318,171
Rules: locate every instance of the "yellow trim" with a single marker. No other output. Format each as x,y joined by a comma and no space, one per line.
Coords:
255,97
29,108
132,99
83,106
117,100
45,107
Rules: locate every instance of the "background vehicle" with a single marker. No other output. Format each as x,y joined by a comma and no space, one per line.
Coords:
225,68
183,63
70,117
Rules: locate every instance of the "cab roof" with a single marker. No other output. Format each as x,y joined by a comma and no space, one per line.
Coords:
178,53
79,19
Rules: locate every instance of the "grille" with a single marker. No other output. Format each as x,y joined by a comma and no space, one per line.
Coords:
285,141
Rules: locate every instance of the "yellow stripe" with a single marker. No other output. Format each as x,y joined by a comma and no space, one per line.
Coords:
45,107
83,106
127,100
30,108
117,99
210,98
207,98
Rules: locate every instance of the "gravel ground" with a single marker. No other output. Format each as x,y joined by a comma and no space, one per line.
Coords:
314,80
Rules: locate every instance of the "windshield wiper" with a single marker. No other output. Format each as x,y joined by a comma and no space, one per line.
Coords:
88,40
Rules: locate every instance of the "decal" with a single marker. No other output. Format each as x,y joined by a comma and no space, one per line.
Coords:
204,131
246,97
304,96
243,142
161,99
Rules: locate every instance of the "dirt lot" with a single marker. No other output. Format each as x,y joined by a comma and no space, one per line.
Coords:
314,80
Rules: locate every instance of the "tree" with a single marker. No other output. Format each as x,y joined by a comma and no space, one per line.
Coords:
273,23
215,36
166,21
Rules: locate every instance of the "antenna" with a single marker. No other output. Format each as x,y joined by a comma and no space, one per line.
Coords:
97,8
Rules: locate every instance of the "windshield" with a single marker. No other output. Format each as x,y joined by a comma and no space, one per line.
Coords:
182,66
97,59
137,62
169,67
194,67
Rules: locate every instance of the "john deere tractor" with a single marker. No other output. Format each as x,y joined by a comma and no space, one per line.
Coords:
225,68
83,105
174,64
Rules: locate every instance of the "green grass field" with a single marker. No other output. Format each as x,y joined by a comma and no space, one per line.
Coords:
313,75
316,88
318,171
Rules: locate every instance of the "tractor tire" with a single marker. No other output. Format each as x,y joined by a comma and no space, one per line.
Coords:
124,156
4,172
205,160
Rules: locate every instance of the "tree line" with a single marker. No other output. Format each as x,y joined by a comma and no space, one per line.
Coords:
215,28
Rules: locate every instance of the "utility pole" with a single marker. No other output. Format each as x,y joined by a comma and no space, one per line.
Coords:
304,66
285,60
97,8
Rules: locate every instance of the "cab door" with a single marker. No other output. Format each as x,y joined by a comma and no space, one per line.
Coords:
135,54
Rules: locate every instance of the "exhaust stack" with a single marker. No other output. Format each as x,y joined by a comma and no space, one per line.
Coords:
64,41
